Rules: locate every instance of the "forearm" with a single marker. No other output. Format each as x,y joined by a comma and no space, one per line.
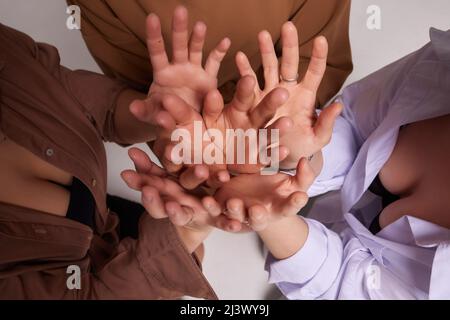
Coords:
130,130
286,237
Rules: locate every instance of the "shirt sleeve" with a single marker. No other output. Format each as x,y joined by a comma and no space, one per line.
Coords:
329,18
97,94
336,266
338,158
311,272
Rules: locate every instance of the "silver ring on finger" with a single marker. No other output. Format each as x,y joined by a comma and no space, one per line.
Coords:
293,80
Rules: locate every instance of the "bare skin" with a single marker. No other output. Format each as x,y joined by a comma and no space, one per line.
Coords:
36,184
32,182
418,171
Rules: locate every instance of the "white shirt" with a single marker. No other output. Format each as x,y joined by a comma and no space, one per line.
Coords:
342,259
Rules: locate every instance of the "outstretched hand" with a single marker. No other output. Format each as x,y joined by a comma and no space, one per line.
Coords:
310,133
254,201
247,202
183,76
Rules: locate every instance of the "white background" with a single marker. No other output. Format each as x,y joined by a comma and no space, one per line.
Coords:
235,264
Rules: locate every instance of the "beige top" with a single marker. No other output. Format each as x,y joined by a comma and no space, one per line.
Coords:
114,31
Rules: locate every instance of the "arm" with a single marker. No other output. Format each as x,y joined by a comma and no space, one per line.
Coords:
128,129
155,266
109,269
334,266
107,105
285,238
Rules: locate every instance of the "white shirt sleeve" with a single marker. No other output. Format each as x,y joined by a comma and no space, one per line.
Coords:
332,266
338,157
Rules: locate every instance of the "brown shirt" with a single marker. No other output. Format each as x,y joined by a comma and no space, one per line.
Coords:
115,34
63,116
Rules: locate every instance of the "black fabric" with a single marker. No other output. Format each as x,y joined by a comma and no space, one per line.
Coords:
82,209
129,213
387,198
82,204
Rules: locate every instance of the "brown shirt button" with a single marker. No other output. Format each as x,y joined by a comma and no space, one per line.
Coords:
94,183
49,152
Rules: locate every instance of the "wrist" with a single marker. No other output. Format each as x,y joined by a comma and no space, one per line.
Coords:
285,237
193,237
315,161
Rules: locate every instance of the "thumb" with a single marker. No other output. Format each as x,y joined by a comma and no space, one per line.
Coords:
213,107
305,175
325,123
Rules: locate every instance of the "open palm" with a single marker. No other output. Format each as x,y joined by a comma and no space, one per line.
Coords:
310,133
185,75
261,200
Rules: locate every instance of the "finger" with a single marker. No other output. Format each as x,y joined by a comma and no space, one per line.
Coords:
213,107
197,42
244,95
244,66
180,35
218,179
323,129
269,60
181,112
235,209
275,155
212,206
143,163
215,58
169,160
145,110
291,57
178,215
294,204
138,181
228,225
152,202
194,176
258,218
317,65
132,179
267,108
165,121
284,125
155,43
305,175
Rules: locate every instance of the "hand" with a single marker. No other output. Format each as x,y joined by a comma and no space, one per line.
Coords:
309,134
259,201
239,114
184,76
163,197
242,114
185,119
